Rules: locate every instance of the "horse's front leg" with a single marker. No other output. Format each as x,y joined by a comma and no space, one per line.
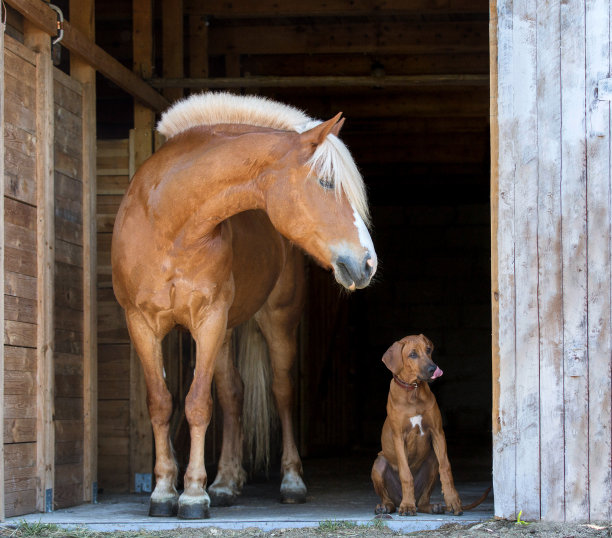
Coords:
230,474
148,347
209,334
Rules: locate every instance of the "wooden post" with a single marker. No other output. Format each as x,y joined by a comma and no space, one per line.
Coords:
2,28
141,147
40,42
172,45
82,17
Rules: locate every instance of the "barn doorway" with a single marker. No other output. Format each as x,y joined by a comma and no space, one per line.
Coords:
422,144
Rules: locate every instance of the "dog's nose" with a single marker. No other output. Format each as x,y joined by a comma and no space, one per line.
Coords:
431,369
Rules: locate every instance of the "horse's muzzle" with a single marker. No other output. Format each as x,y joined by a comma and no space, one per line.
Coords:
354,273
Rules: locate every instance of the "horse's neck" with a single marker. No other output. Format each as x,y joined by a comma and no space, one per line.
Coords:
205,179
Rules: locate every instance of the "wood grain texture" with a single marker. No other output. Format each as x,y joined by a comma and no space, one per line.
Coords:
39,41
599,219
550,290
505,431
574,239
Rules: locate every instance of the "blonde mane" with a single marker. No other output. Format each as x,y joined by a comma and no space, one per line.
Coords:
331,161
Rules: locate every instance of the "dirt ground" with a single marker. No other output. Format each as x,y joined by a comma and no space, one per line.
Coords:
492,528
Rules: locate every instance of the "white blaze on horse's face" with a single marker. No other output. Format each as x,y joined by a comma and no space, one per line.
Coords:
355,267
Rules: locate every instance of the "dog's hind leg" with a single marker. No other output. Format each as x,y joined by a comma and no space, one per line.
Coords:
387,485
424,481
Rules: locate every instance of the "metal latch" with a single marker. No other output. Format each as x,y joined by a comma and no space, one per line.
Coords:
604,89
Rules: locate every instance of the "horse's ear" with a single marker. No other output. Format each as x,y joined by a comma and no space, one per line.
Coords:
318,134
336,128
393,358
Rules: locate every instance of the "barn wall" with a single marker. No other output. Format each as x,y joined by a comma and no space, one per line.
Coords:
68,311
551,258
20,275
113,338
45,413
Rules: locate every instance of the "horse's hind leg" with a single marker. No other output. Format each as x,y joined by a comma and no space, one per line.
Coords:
278,320
230,474
148,347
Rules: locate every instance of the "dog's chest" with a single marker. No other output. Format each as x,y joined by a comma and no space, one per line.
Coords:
414,425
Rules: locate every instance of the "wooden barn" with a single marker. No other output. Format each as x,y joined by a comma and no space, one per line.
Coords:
483,132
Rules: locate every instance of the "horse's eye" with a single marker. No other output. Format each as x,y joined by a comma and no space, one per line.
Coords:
326,184
413,355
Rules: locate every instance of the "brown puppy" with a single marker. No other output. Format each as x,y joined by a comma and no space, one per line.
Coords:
413,442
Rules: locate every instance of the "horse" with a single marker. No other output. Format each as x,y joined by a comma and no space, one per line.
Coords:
210,234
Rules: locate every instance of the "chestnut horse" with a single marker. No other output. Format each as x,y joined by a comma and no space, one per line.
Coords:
208,236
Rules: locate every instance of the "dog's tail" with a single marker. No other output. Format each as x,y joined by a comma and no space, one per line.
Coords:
477,502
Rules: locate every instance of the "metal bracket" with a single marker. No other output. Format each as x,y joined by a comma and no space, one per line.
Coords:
94,493
60,24
604,89
49,500
143,482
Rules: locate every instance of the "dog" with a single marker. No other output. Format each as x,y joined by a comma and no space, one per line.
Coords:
413,443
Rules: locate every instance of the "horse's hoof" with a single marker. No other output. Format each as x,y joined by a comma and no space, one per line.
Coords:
221,498
293,497
293,490
193,511
166,508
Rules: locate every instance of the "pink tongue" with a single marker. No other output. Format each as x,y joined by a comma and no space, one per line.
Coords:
437,373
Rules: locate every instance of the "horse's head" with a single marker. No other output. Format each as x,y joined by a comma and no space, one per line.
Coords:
316,198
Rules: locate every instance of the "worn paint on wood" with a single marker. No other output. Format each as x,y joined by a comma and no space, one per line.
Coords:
555,348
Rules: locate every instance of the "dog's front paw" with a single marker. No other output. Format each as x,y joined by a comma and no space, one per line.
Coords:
407,509
384,508
453,504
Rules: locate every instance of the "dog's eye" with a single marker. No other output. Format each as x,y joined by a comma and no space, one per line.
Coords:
428,350
413,355
326,184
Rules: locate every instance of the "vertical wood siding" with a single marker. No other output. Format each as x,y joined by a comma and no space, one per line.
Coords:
552,435
20,284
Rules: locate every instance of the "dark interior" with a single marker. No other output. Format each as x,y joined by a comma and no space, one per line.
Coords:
423,150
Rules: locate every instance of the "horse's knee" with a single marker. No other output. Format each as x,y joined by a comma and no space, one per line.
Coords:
159,402
198,410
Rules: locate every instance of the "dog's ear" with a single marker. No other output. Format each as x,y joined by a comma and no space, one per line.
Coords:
393,358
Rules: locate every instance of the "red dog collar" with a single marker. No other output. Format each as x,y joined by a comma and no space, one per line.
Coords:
404,385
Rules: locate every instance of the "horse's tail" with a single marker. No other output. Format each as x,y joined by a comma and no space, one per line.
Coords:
258,411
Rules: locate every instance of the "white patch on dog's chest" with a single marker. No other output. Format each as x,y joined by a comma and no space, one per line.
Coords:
417,420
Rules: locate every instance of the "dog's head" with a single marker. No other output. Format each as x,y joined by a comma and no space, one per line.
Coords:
410,359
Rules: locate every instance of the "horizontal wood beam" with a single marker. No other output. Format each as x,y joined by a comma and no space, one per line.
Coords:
374,37
322,81
329,8
76,42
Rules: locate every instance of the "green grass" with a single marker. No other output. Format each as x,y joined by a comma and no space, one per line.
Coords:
46,530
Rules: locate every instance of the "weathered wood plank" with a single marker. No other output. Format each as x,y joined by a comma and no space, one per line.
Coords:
574,238
17,333
20,285
505,422
599,212
526,259
39,41
550,264
19,430
19,406
172,45
19,358
3,487
19,309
